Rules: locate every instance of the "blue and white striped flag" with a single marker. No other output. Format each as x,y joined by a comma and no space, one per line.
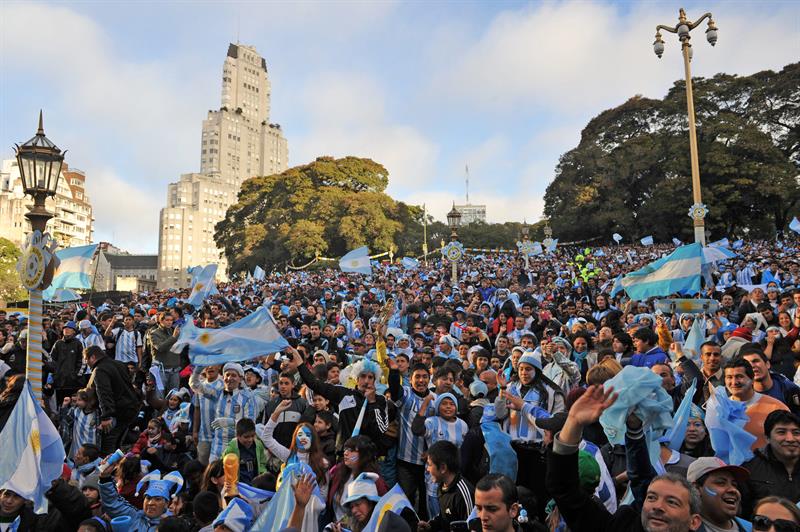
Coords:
617,237
794,225
537,249
722,242
678,272
75,270
259,273
410,263
676,242
740,243
277,512
248,338
357,261
33,454
599,253
647,241
695,338
552,246
606,491
203,285
677,433
394,501
725,420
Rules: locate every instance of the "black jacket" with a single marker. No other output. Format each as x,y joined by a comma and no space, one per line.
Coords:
67,355
112,384
768,476
455,504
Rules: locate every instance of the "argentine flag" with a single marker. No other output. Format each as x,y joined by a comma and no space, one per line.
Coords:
678,272
676,242
647,241
794,225
410,263
617,237
722,242
248,338
33,454
259,273
75,270
394,501
203,285
552,247
357,261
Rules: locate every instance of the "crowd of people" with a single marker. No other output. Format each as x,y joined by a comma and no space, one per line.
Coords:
511,398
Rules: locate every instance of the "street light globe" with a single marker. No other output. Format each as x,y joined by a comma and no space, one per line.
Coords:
711,33
658,47
683,31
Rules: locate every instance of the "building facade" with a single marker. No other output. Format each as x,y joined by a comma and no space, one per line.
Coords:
123,272
73,223
472,213
238,142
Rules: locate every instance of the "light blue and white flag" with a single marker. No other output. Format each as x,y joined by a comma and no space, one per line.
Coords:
717,254
676,242
259,273
203,285
794,225
725,421
394,501
599,253
677,433
33,454
252,336
695,338
606,490
410,263
277,512
678,272
647,241
739,244
60,295
254,494
617,237
357,261
552,247
722,242
537,249
75,270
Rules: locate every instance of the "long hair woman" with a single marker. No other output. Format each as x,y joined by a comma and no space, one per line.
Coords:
360,455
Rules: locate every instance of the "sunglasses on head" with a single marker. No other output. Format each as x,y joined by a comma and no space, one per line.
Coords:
762,522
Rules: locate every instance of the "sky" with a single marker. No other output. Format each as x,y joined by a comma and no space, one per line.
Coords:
425,88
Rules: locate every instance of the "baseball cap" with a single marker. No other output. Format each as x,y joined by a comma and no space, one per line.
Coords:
708,464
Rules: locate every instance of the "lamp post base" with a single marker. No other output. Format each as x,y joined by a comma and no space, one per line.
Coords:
700,234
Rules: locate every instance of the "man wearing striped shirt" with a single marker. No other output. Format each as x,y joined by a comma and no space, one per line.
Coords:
410,447
204,408
127,340
232,404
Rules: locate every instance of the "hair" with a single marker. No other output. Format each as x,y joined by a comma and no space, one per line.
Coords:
316,456
780,416
501,482
599,373
95,523
753,349
245,426
94,351
444,453
712,343
695,503
625,339
368,458
206,507
787,505
14,386
442,371
739,362
646,335
326,417
213,470
419,367
91,451
173,523
130,469
89,397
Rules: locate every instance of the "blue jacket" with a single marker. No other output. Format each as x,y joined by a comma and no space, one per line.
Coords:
116,506
650,359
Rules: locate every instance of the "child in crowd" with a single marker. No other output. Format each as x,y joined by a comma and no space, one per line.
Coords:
250,450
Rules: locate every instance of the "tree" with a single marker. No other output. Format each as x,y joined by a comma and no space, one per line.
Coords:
10,287
630,172
325,208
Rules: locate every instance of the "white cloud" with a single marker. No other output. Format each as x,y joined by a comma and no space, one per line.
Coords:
348,117
577,56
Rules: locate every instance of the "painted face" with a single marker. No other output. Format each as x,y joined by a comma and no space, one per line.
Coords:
303,439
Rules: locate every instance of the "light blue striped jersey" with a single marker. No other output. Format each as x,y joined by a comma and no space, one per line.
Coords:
410,448
84,429
437,429
520,424
236,405
207,403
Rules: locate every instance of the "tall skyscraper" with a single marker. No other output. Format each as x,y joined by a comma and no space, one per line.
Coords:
238,142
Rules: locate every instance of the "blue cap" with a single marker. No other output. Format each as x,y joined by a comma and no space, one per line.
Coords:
441,397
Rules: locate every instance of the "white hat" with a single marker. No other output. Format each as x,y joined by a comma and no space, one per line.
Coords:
363,487
85,324
233,366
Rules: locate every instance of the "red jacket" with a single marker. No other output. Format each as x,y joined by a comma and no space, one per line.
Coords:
143,443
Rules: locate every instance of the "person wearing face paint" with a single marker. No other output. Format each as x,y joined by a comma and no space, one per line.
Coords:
305,446
718,484
250,450
232,404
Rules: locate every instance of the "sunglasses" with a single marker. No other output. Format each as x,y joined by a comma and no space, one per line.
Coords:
761,522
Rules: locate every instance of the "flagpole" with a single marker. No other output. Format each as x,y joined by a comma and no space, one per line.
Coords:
94,278
425,234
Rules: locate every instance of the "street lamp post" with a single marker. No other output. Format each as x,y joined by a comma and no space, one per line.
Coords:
525,245
683,29
39,163
454,250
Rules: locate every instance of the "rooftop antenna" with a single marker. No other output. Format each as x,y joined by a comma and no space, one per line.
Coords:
238,25
466,167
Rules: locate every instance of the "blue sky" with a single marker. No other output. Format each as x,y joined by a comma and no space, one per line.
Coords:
423,87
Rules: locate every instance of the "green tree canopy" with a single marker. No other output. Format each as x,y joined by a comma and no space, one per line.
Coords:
10,287
631,172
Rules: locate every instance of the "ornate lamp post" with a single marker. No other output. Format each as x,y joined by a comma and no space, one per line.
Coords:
39,167
454,250
698,211
547,243
524,245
